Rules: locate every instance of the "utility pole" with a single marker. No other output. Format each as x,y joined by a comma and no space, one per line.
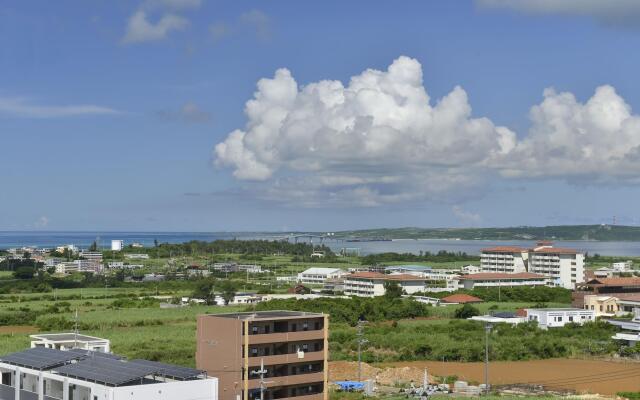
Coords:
263,383
361,340
487,330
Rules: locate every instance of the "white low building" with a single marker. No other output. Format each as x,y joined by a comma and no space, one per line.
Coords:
137,256
68,341
500,318
558,317
371,284
489,279
48,374
239,298
318,276
631,334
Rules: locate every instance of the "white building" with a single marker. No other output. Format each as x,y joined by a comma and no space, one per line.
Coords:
564,266
67,268
624,266
558,317
318,276
70,247
371,284
500,318
137,256
239,299
488,279
117,245
49,374
631,334
68,341
505,259
471,269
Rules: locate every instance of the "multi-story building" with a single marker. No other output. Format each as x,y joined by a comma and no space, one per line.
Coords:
282,354
505,259
564,266
318,275
371,284
117,245
75,374
488,279
602,305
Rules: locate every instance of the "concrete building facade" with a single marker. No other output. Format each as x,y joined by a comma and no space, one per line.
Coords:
505,259
292,347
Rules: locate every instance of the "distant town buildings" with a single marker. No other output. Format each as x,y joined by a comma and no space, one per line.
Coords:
136,256
371,284
505,259
117,245
489,279
563,266
318,276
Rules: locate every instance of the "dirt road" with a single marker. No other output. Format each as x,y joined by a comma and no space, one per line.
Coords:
584,376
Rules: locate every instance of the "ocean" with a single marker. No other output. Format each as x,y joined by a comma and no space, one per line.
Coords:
85,239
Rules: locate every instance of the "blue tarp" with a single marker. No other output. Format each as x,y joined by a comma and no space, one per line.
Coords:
350,385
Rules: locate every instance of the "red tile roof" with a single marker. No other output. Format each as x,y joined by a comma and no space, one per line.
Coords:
504,249
489,276
616,281
627,296
461,299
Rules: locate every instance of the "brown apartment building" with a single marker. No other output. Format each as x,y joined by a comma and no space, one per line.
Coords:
292,346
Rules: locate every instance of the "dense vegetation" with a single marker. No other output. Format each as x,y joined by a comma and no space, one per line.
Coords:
441,256
562,232
250,250
537,294
349,311
463,340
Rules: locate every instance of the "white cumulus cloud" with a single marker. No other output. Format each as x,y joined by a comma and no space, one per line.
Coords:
604,11
595,140
141,29
378,139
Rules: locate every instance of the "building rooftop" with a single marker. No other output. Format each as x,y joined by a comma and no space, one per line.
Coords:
556,309
257,315
105,368
417,268
615,281
320,270
384,277
65,337
504,249
554,250
461,298
490,276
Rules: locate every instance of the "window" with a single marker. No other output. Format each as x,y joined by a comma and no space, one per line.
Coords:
267,328
294,327
254,351
305,326
570,319
254,329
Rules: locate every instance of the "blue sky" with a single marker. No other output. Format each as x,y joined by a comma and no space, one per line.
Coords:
113,113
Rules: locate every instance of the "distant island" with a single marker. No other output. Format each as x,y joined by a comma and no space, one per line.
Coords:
559,232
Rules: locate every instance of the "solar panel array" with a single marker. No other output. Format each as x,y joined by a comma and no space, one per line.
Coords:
107,371
40,358
93,354
171,371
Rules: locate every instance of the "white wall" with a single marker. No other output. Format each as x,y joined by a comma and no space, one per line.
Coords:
188,390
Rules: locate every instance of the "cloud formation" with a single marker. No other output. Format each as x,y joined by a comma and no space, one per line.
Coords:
380,139
259,21
189,112
466,217
595,140
610,12
140,29
22,107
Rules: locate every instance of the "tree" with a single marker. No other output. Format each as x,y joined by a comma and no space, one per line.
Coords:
204,290
24,273
94,246
466,311
392,290
155,242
